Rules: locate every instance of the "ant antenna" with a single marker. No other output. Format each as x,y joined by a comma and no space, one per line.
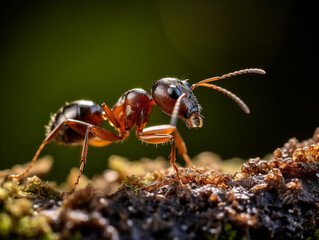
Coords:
229,94
228,75
242,105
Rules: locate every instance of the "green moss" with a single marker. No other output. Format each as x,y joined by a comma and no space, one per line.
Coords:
5,225
310,233
16,220
3,194
76,236
32,226
228,233
18,207
133,182
41,189
12,187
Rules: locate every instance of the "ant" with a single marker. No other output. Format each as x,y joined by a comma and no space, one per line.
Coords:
79,122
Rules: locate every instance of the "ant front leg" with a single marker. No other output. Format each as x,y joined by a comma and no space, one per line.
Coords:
182,149
80,127
162,134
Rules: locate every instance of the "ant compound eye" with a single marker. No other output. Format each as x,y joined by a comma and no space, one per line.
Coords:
187,84
174,92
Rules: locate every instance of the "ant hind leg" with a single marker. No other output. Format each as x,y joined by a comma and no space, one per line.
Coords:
83,128
47,140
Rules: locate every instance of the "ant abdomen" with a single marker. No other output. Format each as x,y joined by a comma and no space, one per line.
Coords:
82,110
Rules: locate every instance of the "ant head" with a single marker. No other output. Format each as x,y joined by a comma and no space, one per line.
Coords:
165,93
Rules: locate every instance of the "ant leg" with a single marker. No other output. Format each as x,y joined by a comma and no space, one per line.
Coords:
156,137
78,126
179,140
82,163
110,116
173,159
14,176
182,149
47,140
161,134
106,137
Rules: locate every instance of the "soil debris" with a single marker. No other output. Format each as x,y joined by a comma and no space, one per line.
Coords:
265,199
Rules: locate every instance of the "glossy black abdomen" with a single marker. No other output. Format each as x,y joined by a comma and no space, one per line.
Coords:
82,110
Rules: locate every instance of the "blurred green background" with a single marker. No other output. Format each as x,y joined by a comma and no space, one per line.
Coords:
57,51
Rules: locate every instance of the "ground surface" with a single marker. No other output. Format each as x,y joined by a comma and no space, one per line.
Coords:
276,198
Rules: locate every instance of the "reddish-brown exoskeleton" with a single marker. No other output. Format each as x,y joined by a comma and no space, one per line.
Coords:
79,122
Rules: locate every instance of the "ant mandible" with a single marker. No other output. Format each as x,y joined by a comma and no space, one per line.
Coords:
79,122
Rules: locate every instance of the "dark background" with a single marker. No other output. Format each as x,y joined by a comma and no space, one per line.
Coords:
54,51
